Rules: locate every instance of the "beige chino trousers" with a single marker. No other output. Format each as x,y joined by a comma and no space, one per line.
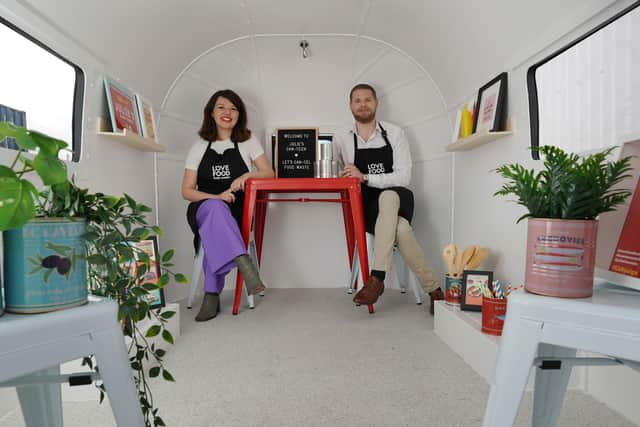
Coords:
391,228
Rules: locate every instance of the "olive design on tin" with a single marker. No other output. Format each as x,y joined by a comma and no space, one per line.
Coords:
61,264
51,261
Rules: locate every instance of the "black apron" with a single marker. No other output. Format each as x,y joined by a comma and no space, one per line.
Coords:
216,172
373,161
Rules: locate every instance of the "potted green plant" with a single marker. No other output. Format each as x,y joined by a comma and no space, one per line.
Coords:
42,252
564,200
109,226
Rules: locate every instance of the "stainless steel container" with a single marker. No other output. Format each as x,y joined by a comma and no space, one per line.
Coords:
325,169
326,152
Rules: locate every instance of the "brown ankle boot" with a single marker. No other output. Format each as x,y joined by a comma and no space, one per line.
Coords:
436,295
370,292
210,307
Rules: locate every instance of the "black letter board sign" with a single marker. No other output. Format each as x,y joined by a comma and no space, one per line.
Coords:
295,152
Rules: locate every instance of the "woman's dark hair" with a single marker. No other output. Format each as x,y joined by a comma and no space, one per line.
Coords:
209,130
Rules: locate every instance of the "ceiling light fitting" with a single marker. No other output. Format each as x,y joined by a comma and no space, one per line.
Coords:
304,45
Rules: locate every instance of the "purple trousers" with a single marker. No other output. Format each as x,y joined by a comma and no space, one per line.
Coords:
221,241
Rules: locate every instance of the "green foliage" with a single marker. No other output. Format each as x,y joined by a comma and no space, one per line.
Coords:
113,223
569,186
18,195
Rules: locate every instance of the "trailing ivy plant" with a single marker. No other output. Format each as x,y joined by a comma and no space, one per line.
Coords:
113,224
569,186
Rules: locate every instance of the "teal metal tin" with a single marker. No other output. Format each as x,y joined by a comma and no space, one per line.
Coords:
44,266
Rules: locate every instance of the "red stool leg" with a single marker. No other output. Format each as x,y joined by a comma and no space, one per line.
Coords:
357,214
247,217
261,217
348,228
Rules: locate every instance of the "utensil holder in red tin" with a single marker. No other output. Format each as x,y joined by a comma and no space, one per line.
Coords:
494,311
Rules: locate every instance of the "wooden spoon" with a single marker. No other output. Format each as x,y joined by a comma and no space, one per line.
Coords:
449,254
478,257
466,257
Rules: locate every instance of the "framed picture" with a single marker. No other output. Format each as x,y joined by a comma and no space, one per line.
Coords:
147,121
491,105
121,104
149,246
472,282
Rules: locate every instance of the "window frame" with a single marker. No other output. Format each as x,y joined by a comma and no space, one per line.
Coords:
532,87
78,91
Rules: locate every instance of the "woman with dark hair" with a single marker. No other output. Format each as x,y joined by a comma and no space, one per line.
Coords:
215,172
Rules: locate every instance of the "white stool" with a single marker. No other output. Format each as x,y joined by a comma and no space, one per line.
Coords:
402,272
197,272
546,332
40,342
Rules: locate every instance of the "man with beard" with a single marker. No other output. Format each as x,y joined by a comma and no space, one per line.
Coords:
378,154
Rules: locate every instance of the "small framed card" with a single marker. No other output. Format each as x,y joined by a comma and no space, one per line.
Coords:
122,107
472,283
147,121
149,246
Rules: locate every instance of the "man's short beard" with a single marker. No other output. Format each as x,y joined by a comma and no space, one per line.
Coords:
365,119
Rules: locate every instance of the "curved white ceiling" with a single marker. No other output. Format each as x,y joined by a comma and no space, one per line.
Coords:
461,44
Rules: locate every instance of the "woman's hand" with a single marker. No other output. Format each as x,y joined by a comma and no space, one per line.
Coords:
238,183
227,196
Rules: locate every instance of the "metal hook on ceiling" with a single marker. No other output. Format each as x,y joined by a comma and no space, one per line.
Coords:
304,45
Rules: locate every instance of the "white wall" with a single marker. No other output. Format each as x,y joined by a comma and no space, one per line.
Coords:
283,89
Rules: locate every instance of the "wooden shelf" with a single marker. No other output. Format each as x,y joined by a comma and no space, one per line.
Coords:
129,138
476,140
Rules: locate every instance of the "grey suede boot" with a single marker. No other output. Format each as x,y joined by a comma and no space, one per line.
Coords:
210,307
250,274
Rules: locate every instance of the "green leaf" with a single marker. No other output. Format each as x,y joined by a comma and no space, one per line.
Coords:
154,372
46,275
181,278
166,257
20,134
153,331
16,202
163,280
167,375
167,314
97,259
51,169
6,172
166,335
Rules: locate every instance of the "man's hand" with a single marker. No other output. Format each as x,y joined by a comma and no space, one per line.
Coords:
227,196
352,171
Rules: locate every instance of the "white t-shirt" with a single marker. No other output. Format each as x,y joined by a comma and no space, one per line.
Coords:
250,150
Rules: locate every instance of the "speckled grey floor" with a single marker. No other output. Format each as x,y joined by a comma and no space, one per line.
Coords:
308,357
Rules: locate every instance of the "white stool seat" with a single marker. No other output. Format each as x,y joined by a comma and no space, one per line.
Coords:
402,276
539,328
31,343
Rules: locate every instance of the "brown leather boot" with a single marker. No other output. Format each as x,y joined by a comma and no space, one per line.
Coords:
370,292
436,295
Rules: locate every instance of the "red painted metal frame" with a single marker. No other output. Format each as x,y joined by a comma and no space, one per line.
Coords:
257,197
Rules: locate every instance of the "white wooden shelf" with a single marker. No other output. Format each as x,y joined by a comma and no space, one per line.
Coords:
129,138
476,140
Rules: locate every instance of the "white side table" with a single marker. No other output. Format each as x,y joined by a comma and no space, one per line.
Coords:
36,343
546,332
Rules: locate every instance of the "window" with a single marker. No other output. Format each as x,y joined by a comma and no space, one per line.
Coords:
41,88
586,95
